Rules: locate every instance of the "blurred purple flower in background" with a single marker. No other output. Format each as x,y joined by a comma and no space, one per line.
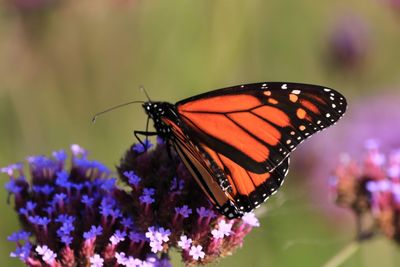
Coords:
77,216
371,186
375,117
348,43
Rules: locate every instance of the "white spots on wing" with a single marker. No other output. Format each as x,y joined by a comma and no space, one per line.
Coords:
296,92
242,86
318,122
327,89
288,142
333,105
328,115
284,86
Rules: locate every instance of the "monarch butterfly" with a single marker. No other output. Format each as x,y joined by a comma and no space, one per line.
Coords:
236,141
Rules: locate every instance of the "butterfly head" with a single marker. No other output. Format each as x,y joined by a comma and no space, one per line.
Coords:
157,111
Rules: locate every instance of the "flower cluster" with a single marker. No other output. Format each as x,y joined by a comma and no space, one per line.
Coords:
372,187
348,43
73,213
172,211
69,215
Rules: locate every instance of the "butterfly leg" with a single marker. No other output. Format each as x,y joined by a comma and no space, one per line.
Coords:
144,133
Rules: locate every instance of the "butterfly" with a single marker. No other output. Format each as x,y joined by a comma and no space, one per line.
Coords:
236,141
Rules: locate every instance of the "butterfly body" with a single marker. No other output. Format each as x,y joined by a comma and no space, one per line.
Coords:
236,141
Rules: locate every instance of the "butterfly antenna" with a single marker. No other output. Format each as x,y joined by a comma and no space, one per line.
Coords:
114,107
145,92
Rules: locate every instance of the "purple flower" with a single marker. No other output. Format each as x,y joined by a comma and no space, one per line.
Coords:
120,257
139,148
12,187
88,201
117,237
60,155
77,215
39,220
20,235
156,246
22,252
184,211
203,212
96,261
78,151
149,191
159,234
251,219
168,186
66,209
47,254
127,222
197,252
348,138
133,179
131,261
146,199
136,237
348,43
224,229
185,242
370,187
93,232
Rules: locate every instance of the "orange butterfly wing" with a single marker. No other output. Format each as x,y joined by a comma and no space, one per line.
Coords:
247,132
246,190
258,125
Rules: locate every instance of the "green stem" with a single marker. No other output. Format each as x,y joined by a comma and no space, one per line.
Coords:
343,255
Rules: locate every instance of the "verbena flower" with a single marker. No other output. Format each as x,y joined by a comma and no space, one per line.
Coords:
69,215
371,186
73,214
369,117
172,211
348,43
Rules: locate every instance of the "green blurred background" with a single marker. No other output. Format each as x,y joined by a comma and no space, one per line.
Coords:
61,63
